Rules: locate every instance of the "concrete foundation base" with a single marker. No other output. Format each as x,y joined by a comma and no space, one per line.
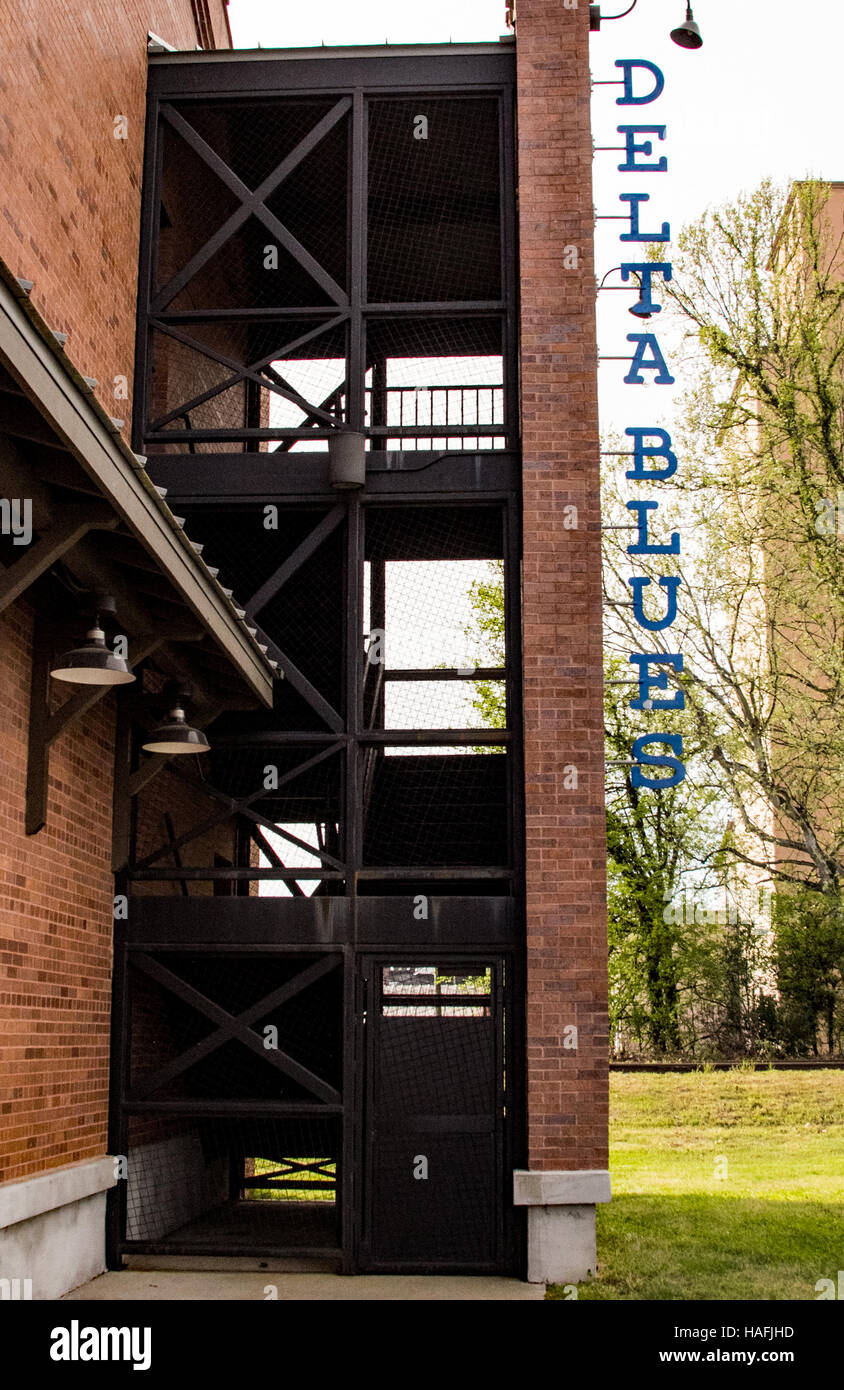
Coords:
561,1244
561,1222
52,1230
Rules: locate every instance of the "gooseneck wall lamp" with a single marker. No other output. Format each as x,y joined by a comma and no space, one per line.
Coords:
92,662
687,34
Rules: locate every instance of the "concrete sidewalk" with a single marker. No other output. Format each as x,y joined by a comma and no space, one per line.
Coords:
250,1285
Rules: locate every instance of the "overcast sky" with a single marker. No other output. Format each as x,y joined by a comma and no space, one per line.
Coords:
758,99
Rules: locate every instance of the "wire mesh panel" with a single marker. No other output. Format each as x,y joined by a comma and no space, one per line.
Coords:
440,802
436,382
217,1042
435,1114
254,216
254,136
288,376
191,191
303,615
432,704
273,148
243,1027
439,810
434,199
248,1186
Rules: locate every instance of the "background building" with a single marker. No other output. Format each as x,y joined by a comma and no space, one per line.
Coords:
358,1010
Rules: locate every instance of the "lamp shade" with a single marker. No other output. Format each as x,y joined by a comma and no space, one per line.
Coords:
175,735
92,663
687,34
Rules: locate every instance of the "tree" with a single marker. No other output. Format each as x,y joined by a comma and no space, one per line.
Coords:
757,302
759,287
486,633
809,935
655,839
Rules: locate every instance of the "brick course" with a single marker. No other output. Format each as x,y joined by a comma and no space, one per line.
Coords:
561,595
56,927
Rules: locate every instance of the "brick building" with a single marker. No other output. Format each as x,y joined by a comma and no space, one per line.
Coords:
287,369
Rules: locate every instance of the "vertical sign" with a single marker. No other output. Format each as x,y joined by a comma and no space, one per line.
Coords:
653,458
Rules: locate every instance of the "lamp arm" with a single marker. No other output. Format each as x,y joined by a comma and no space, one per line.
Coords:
623,12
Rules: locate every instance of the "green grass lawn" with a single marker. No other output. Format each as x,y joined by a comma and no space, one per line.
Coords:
300,1193
726,1185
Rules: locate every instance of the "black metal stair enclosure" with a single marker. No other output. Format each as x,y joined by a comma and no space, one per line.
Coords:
317,999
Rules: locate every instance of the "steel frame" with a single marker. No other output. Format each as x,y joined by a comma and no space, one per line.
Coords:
507,998
358,925
352,84
350,736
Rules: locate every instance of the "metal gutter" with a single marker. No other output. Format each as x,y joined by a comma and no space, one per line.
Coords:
199,57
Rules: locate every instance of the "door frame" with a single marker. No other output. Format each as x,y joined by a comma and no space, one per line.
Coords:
509,1240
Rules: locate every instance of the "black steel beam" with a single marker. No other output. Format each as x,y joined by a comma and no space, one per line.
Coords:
231,875
231,436
252,204
477,673
244,1109
437,738
233,1029
232,1026
459,475
295,560
440,70
227,875
354,670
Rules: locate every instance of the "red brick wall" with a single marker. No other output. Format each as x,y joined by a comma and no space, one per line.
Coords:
69,221
56,893
69,191
56,899
566,881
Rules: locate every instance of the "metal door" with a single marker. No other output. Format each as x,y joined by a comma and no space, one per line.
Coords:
434,1112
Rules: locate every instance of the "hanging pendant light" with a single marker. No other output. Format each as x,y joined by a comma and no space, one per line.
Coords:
174,734
687,34
93,663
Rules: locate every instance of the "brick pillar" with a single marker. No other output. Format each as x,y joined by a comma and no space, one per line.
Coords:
563,680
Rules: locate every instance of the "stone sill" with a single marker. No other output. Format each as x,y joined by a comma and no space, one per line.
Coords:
578,1187
23,1198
